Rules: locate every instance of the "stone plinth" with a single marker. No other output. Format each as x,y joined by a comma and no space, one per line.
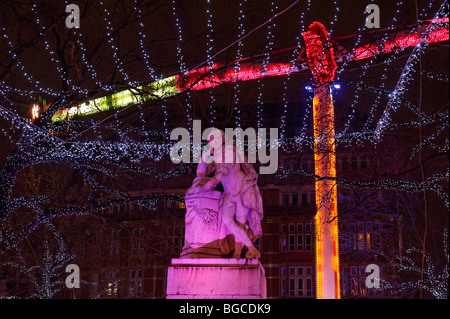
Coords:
216,278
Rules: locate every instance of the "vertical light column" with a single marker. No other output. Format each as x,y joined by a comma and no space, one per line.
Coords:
326,220
321,61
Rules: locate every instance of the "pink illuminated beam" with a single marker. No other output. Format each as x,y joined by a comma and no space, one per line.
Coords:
208,77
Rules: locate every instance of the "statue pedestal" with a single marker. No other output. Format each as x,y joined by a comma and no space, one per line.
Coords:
216,278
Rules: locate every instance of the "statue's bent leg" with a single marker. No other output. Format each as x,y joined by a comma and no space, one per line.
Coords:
231,209
228,218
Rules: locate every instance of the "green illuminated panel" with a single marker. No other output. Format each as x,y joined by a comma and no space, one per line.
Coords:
156,90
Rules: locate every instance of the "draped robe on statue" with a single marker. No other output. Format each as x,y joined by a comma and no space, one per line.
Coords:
206,234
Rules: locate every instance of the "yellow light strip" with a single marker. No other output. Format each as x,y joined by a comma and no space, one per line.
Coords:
325,220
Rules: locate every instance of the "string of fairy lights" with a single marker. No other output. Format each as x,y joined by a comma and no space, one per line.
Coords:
436,278
100,155
183,67
115,50
181,62
29,77
241,32
406,76
365,69
209,50
295,53
387,64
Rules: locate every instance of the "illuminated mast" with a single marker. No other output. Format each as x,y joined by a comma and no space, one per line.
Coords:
322,63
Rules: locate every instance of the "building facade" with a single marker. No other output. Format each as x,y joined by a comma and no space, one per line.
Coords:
132,249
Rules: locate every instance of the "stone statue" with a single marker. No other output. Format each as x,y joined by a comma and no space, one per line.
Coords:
214,217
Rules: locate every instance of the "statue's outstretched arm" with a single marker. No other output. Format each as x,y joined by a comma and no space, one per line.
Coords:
222,172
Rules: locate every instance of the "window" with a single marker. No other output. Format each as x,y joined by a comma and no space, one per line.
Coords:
361,236
363,161
134,247
307,165
299,280
354,281
283,242
115,248
308,227
354,162
294,199
175,239
283,281
291,242
309,286
135,283
345,163
376,241
299,237
304,198
291,287
300,242
115,243
113,277
285,199
176,244
308,245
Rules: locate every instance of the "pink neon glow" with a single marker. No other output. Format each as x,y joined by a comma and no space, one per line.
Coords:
320,53
208,77
253,72
402,42
438,20
198,77
202,78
